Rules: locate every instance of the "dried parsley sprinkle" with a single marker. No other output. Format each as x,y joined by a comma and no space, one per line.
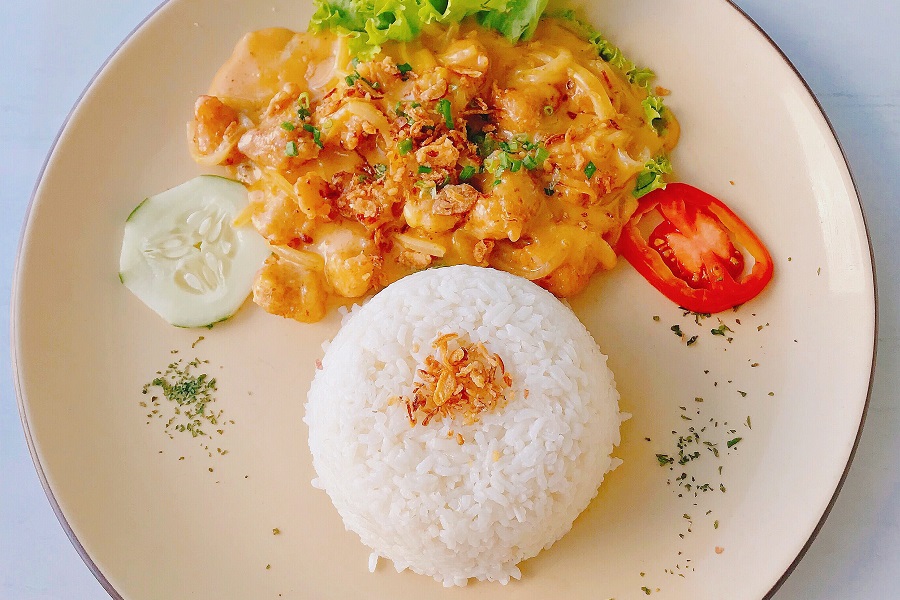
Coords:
191,395
276,531
677,330
720,330
732,443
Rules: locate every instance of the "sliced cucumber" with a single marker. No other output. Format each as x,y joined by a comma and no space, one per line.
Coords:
182,256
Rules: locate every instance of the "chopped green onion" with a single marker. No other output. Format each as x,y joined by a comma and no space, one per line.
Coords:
290,149
590,169
351,79
548,110
535,160
405,146
445,109
380,170
424,169
303,101
467,173
287,126
317,135
404,68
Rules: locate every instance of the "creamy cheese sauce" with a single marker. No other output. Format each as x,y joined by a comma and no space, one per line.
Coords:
458,147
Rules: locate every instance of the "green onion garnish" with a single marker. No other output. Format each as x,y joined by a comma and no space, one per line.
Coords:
444,108
317,135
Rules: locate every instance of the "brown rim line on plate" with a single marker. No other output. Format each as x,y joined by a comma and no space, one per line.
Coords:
862,212
25,232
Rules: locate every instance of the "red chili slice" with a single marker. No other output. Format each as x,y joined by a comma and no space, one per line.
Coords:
690,256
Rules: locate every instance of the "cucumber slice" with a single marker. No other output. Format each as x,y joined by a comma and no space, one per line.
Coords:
184,259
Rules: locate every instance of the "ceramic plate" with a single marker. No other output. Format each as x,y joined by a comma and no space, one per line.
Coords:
156,516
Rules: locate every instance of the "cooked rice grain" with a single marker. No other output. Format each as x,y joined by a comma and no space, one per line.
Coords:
526,470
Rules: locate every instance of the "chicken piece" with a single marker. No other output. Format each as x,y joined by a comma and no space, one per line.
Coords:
586,255
440,153
432,84
442,211
214,132
466,57
455,199
379,73
517,110
288,290
361,199
568,279
276,145
278,218
352,259
506,210
312,193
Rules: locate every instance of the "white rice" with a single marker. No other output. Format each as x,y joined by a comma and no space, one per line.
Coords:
526,470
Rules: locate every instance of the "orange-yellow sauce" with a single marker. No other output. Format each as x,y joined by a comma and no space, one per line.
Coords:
357,177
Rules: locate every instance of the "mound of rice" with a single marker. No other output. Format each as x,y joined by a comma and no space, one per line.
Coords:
526,470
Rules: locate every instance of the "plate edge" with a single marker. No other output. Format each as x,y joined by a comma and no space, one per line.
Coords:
14,294
101,578
777,585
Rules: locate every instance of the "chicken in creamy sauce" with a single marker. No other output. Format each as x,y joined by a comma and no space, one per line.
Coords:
456,148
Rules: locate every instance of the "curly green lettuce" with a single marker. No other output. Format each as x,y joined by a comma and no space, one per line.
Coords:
370,23
652,177
654,108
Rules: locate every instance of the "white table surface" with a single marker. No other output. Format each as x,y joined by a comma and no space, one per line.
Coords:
846,51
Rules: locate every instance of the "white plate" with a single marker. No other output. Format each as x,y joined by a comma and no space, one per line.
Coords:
152,525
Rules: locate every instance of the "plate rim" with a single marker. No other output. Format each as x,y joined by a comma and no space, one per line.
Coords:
14,296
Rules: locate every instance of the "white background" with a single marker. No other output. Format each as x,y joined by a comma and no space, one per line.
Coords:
846,51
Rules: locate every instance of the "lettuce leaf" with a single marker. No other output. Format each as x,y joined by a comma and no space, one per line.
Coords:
370,23
654,107
652,177
518,21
